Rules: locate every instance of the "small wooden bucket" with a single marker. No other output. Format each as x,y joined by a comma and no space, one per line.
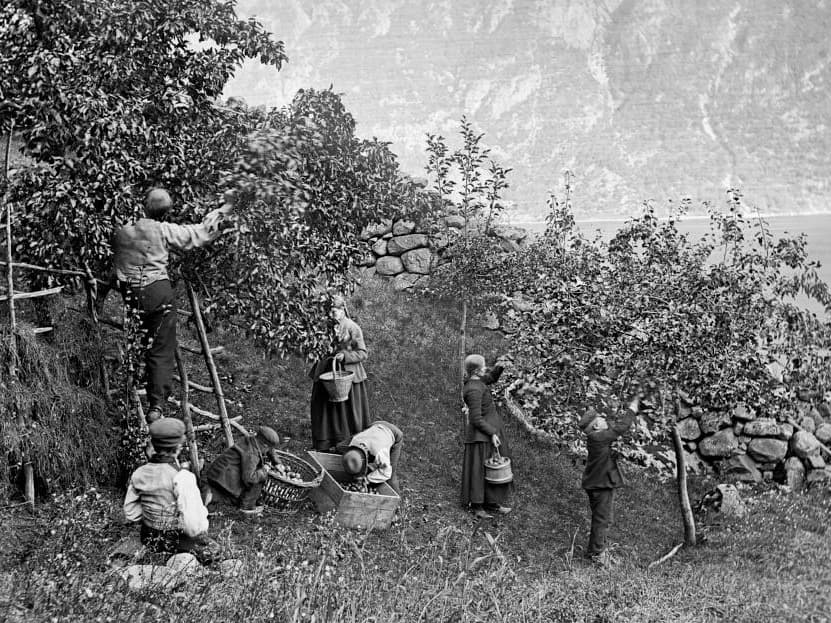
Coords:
338,383
498,469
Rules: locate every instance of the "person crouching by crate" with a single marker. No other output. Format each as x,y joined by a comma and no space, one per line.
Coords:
601,475
483,436
374,453
238,474
166,499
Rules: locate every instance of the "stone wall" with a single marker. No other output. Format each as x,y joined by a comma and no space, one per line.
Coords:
406,251
738,445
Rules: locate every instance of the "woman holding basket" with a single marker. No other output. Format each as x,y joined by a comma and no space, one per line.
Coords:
335,423
483,438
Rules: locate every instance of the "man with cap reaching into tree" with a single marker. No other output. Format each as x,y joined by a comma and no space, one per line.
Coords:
140,265
238,474
166,499
374,454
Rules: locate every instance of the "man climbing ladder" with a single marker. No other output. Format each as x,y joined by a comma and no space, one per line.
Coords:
140,271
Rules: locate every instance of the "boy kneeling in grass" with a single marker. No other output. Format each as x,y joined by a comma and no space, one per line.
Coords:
602,476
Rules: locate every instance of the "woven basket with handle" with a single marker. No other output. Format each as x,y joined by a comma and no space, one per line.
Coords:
286,495
338,383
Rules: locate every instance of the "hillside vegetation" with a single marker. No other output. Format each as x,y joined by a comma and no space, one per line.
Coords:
435,563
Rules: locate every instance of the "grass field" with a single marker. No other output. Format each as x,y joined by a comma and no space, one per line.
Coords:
436,563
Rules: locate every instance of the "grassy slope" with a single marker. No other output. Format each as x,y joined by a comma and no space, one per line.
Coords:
436,563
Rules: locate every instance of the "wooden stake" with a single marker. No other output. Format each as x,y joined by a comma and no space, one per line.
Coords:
184,406
462,350
20,419
683,495
209,363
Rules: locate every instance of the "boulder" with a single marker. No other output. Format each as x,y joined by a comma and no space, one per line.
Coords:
809,424
405,281
402,244
509,232
151,577
742,413
694,463
230,568
377,229
824,410
419,261
794,473
818,477
401,228
684,410
742,468
389,265
367,273
691,445
689,429
439,241
128,550
823,433
731,504
720,445
785,430
380,247
509,246
367,259
697,412
766,449
804,444
763,427
713,421
387,236
815,461
454,221
738,428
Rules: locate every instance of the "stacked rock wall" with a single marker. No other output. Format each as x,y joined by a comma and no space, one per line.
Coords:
741,446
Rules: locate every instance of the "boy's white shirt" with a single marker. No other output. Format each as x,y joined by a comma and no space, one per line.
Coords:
193,515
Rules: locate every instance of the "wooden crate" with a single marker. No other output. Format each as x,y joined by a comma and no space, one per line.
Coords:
352,510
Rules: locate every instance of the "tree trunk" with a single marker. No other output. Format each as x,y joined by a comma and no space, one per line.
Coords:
462,349
683,496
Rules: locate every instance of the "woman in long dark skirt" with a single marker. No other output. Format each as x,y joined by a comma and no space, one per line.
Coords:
483,435
335,423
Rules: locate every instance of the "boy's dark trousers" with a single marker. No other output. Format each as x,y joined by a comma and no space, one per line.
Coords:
601,502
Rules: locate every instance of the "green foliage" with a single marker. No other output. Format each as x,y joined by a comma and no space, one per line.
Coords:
712,321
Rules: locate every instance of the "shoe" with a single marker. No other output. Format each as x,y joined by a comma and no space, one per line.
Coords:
502,510
481,513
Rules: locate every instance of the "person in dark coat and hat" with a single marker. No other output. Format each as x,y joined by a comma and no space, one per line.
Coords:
238,474
602,475
166,500
483,435
335,423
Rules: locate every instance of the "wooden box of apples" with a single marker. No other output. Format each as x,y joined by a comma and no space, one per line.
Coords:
353,508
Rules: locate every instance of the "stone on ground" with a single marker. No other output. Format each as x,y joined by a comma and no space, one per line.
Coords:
418,261
815,461
743,413
689,429
731,502
804,444
742,468
823,433
809,424
405,281
454,221
230,568
184,563
400,228
402,244
380,247
127,550
714,421
389,265
720,445
377,229
763,427
794,473
489,320
767,450
150,577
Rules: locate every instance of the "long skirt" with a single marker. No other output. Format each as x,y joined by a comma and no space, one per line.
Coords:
335,423
476,491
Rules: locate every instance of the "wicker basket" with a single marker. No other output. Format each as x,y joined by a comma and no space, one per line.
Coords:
338,383
286,496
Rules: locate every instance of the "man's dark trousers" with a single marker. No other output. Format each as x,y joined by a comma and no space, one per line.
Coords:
601,502
156,304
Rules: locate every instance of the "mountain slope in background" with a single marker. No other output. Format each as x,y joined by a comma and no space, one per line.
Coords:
640,99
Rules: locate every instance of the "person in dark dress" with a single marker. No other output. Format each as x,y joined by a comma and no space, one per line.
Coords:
335,423
483,434
238,474
602,476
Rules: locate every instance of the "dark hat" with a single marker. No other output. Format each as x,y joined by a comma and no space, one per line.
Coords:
586,421
268,435
361,454
167,433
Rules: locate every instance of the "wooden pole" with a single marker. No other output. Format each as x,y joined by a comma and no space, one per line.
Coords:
462,350
209,363
683,495
184,406
25,459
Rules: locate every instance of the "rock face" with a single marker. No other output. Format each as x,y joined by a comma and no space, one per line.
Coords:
763,427
721,445
767,450
400,244
742,468
804,444
689,429
401,228
418,261
794,473
389,265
